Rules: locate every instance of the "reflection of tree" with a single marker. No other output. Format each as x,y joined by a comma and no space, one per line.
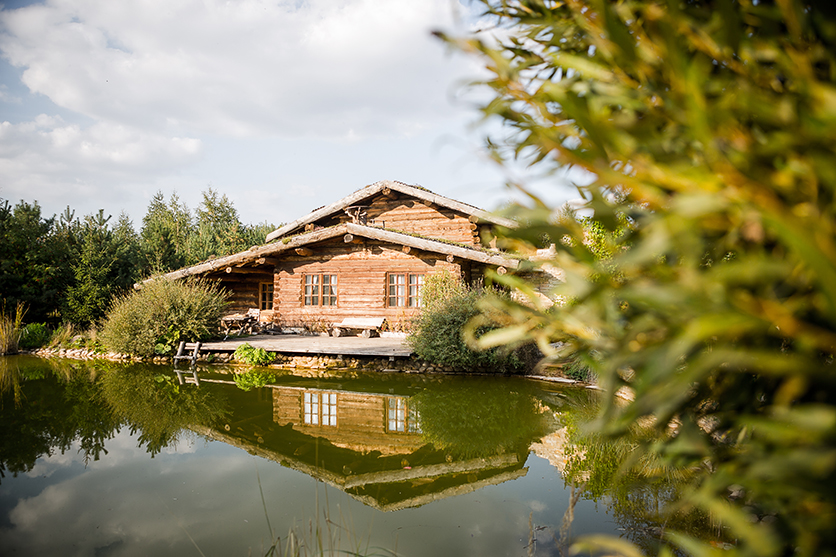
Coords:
43,409
157,407
640,490
480,418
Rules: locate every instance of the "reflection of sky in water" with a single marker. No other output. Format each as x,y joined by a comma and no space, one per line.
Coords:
130,504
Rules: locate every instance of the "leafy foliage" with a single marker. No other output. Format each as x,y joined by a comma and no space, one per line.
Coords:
163,312
35,259
35,335
710,125
253,379
253,356
157,407
438,333
480,419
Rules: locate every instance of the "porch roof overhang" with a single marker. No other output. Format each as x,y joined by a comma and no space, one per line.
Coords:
382,186
252,256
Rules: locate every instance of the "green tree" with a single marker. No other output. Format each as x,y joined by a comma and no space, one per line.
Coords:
166,228
218,230
255,234
35,262
710,125
105,264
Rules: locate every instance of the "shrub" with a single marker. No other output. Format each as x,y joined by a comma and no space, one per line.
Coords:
437,336
34,335
253,356
156,317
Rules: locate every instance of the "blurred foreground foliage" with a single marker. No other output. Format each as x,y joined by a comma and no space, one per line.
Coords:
710,126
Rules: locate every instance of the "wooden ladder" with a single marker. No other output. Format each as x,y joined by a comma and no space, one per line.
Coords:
192,358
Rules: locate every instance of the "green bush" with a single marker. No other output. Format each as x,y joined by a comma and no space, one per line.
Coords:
155,318
249,354
437,336
253,379
34,335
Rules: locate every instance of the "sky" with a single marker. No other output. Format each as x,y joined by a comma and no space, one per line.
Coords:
282,105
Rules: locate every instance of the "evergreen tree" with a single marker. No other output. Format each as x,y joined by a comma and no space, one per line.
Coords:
218,230
34,260
89,295
165,233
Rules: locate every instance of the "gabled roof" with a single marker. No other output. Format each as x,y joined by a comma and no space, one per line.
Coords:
254,254
382,186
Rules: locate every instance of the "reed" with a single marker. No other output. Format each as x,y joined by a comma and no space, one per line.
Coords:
10,328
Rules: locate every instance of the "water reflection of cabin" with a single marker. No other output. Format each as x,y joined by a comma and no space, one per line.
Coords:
369,445
360,422
365,255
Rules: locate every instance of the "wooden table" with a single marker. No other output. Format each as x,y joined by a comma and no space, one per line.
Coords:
237,324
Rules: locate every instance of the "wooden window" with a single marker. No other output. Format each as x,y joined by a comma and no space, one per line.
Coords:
400,416
266,295
320,290
404,289
319,408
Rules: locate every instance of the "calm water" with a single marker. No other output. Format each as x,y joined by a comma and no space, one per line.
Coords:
105,459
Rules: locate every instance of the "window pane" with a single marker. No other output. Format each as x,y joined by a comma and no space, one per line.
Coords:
415,283
397,290
311,290
329,409
329,290
266,295
311,408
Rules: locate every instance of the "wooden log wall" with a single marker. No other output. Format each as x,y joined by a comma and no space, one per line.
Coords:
361,422
416,217
407,214
361,291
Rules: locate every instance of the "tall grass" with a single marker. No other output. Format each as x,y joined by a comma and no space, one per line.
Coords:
10,328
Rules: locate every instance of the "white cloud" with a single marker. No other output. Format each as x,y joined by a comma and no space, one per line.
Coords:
354,68
67,163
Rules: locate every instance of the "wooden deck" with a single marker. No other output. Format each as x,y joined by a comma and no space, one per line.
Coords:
332,346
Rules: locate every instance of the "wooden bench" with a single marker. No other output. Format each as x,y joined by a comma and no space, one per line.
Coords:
366,325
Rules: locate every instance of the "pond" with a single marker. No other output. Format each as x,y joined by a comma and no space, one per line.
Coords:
99,458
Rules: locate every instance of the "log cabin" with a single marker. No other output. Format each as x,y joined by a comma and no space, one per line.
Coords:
364,256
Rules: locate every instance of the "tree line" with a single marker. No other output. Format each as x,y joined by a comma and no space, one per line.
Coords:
66,268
